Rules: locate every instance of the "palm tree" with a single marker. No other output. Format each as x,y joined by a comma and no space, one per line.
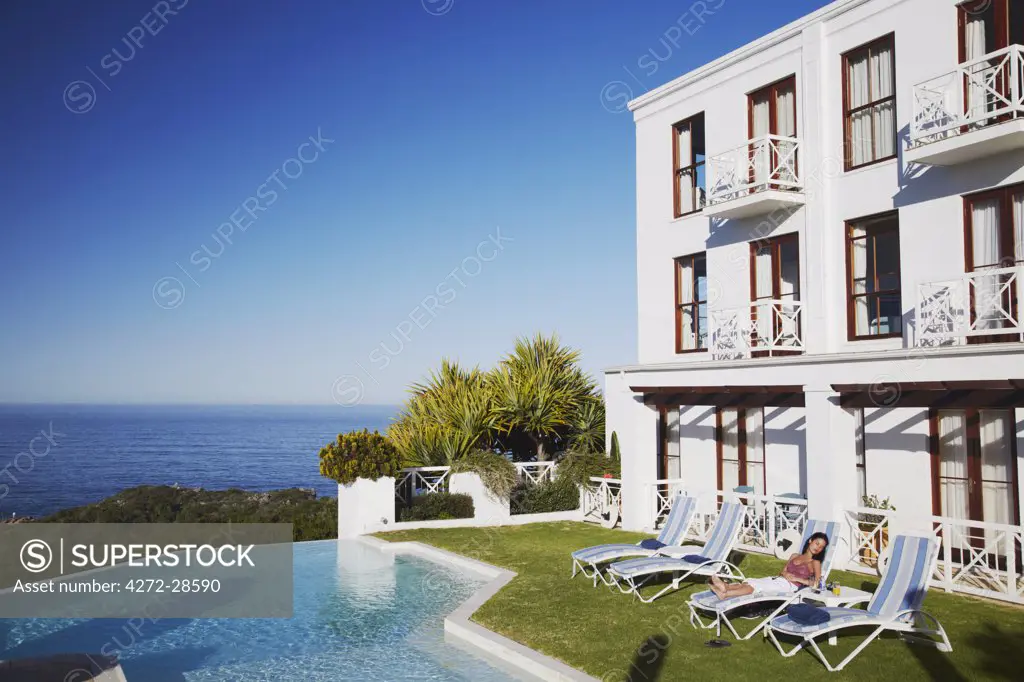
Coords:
538,390
445,418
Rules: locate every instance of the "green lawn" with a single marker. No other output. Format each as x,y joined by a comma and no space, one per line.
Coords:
615,637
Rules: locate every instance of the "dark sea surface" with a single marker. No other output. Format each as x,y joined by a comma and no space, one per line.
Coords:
57,456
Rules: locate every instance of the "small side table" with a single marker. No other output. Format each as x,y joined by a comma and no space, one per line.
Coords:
848,596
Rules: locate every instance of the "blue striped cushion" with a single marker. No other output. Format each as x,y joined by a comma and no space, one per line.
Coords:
678,521
600,553
905,581
723,535
836,617
633,567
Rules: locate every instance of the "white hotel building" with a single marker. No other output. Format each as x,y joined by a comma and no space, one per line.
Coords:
830,265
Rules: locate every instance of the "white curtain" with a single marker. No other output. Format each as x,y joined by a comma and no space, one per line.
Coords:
759,148
953,470
862,468
686,322
785,119
674,470
860,123
985,245
755,449
996,466
684,154
730,449
763,278
884,114
859,256
788,286
975,48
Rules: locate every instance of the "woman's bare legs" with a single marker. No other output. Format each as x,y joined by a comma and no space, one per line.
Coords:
724,591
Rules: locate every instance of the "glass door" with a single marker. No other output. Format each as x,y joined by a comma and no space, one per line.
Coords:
975,478
772,111
774,293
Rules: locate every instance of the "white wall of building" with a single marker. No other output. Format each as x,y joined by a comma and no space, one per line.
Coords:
928,198
803,457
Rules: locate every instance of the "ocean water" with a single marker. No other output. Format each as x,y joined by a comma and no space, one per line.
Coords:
359,614
57,456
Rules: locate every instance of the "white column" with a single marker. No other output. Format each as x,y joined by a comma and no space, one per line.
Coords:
831,460
820,161
637,427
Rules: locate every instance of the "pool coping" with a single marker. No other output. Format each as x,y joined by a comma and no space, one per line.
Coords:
458,622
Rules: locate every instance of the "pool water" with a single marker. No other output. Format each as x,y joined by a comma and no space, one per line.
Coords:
360,614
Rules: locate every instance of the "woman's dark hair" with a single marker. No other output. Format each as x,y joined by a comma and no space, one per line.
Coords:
820,556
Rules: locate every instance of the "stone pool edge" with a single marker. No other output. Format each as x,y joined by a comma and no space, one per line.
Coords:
458,622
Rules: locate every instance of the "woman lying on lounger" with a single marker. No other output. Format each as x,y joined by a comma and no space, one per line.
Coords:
803,570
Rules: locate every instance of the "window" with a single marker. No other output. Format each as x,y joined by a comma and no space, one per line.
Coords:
775,294
986,26
772,111
691,303
974,465
869,103
994,242
862,464
740,441
688,177
874,307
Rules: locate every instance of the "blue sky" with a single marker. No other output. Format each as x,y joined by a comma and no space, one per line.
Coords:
393,182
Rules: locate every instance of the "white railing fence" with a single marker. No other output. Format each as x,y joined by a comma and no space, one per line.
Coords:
980,303
662,493
868,537
415,481
976,93
979,558
601,498
535,472
769,326
763,163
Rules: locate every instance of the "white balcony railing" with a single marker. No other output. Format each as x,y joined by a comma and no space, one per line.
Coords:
976,93
770,327
763,163
980,303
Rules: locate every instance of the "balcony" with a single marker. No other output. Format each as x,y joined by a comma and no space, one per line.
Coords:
754,179
970,113
978,305
761,329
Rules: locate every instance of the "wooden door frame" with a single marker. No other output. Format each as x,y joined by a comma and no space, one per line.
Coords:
741,426
973,440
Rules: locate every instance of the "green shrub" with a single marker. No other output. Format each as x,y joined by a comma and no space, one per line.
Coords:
579,467
312,517
359,454
497,473
438,506
548,496
615,454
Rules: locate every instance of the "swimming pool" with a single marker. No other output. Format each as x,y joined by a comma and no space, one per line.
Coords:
360,614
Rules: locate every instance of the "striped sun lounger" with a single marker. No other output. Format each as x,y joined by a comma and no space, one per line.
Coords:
708,601
629,576
895,607
588,561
